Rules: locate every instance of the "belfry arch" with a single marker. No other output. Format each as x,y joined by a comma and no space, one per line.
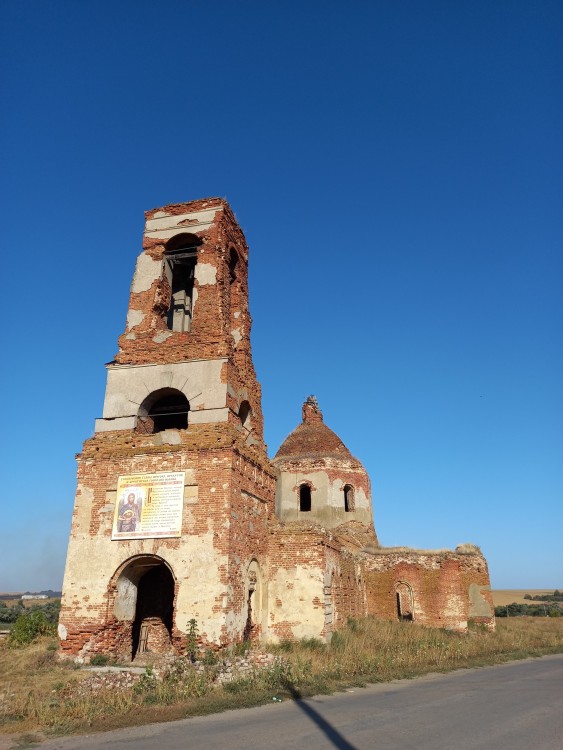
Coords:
164,409
180,260
144,597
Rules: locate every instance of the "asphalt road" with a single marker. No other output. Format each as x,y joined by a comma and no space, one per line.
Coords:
516,706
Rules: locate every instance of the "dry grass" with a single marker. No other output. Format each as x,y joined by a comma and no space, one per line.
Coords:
374,651
26,674
37,694
502,597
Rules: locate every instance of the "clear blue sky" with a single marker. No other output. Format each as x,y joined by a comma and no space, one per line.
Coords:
397,169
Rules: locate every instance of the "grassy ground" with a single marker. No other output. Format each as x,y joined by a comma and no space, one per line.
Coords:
39,696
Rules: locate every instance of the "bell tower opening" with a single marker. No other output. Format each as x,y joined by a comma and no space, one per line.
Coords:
180,259
152,626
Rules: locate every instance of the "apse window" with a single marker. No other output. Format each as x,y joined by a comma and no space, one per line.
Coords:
304,498
348,498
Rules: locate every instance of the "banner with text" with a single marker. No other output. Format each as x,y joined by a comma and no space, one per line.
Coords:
149,505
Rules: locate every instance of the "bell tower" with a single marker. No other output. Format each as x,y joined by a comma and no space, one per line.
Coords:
188,326
175,488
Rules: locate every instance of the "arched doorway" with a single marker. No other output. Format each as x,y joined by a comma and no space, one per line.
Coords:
145,597
405,602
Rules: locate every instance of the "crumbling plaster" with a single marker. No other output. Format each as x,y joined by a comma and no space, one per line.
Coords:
295,601
201,595
205,273
134,318
147,271
478,604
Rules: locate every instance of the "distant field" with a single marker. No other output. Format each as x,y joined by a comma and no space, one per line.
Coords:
502,597
27,602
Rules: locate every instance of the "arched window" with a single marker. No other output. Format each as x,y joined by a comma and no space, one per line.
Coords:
305,498
348,498
180,258
165,409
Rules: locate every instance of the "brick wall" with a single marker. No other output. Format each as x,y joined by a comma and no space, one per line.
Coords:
439,582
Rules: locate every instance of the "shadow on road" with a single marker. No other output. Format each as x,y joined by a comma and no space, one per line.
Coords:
330,732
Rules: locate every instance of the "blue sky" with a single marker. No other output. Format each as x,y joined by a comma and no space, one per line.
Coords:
397,170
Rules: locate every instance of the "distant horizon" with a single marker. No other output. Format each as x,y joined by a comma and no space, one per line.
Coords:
517,588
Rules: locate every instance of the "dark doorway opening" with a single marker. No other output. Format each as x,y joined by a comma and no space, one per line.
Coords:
155,604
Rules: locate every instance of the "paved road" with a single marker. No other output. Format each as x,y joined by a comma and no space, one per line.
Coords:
515,706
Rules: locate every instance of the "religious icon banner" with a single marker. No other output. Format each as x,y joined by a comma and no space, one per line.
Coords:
148,506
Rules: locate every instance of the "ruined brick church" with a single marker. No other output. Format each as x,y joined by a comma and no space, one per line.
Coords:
180,515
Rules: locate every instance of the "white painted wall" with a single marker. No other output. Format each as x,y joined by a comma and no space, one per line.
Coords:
327,498
129,385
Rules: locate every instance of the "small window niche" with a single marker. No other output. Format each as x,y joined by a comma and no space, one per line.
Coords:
165,409
305,498
180,259
349,505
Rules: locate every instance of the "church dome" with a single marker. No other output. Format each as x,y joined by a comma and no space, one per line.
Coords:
318,480
312,438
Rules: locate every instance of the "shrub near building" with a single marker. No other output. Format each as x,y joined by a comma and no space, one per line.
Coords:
34,622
